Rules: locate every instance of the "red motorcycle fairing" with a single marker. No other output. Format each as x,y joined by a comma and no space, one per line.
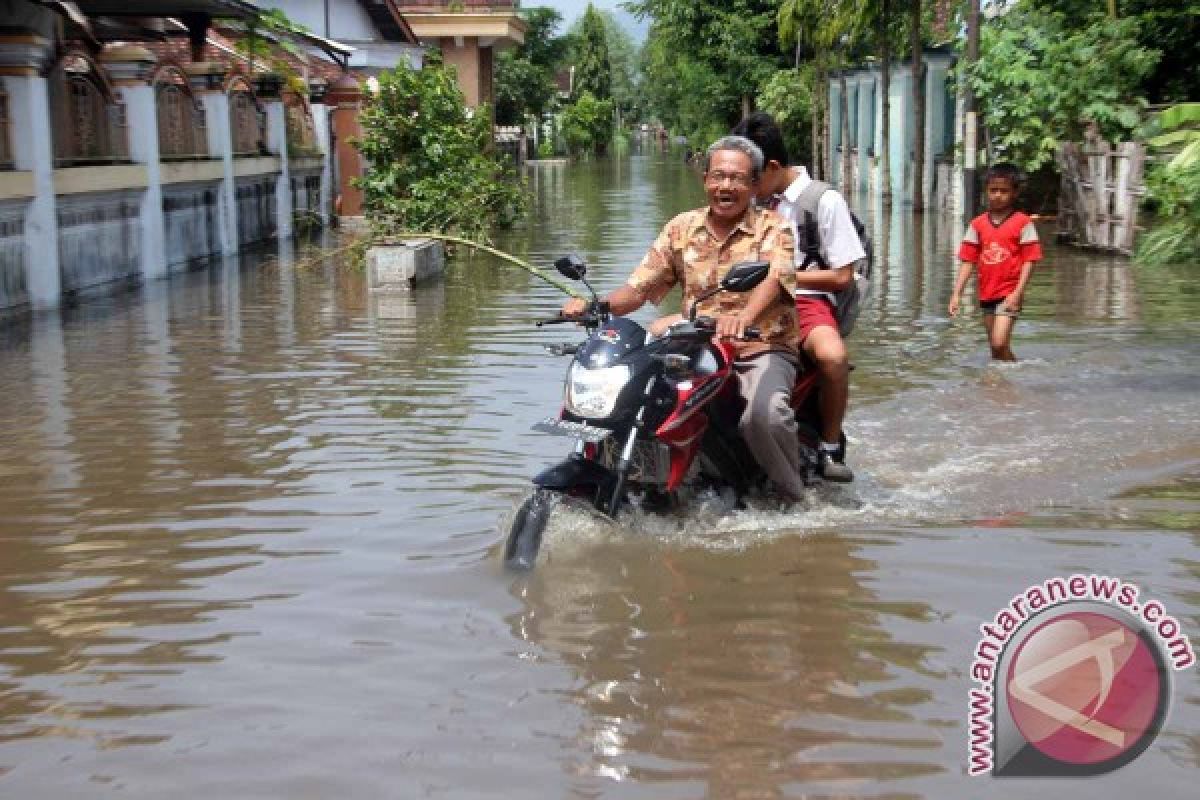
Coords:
683,431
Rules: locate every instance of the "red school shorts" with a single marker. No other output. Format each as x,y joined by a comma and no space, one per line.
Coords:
813,311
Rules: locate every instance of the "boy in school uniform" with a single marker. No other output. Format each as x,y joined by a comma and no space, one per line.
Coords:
780,188
1003,244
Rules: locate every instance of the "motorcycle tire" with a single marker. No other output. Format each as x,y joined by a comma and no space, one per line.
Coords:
526,529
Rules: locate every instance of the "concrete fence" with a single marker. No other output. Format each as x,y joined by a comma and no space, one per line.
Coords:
118,169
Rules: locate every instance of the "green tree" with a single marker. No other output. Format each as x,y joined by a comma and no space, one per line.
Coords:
587,125
524,82
734,41
593,68
428,151
827,29
788,97
622,57
1043,77
1169,27
685,94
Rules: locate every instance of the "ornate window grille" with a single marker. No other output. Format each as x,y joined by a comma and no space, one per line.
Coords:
90,125
181,126
6,157
301,136
249,124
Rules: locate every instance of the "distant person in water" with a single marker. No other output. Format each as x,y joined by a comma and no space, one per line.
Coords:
1003,244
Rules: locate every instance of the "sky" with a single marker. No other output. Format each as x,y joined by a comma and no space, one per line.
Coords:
572,10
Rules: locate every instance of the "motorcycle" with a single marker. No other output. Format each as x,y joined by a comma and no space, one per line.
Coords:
649,415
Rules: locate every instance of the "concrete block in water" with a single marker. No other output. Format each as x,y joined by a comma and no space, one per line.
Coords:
404,264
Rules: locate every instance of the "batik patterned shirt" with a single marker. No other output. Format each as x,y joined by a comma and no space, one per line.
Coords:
687,253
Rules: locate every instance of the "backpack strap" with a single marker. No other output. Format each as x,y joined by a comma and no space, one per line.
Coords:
806,226
811,196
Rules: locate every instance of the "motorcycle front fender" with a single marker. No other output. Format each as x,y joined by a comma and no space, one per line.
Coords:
573,472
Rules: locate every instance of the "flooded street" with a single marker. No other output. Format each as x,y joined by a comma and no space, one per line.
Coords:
250,524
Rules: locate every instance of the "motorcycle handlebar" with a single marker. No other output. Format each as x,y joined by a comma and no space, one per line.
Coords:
595,314
559,320
751,332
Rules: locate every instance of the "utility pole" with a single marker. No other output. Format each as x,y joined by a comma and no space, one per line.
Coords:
970,106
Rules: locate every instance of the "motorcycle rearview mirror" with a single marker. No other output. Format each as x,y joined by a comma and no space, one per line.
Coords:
574,267
571,266
745,275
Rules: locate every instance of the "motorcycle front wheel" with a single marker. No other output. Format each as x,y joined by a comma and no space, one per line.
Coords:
526,529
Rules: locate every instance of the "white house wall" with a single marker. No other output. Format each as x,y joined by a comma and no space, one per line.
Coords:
864,93
348,22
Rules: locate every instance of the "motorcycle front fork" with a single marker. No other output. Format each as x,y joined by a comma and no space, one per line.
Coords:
614,499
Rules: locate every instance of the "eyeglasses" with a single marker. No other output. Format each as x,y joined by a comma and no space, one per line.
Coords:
736,178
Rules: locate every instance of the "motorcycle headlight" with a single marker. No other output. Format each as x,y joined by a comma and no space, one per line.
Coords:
593,392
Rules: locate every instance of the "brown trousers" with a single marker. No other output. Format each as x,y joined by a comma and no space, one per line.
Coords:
768,425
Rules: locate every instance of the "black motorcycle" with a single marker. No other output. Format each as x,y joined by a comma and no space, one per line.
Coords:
648,414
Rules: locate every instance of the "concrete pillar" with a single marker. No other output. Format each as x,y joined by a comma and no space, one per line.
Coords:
866,143
938,138
467,57
130,68
345,98
850,146
835,132
277,143
207,81
901,133
877,112
321,123
23,57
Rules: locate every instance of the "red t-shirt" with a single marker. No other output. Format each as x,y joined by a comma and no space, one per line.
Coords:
1000,251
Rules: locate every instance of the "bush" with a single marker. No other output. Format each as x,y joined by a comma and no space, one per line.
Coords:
433,166
1175,189
587,125
1042,78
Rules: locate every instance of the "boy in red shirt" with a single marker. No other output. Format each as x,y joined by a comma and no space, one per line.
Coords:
1005,245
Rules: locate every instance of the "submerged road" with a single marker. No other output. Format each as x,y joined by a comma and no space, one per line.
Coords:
250,523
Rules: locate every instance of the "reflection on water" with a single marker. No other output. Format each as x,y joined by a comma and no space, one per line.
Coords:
251,516
738,672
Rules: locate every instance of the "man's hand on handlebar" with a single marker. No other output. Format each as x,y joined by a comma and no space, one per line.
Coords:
575,307
731,326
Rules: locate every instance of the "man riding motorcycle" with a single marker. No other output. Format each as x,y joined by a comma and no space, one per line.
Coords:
696,249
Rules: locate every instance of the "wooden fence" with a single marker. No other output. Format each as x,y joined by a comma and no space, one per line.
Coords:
1101,188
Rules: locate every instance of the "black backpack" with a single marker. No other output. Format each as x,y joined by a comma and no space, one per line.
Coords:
850,300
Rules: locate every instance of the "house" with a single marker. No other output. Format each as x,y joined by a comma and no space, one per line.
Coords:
379,34
468,33
136,140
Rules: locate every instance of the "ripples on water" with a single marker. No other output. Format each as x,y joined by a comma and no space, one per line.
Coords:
251,517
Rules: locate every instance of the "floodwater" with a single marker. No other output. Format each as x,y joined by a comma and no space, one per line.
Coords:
250,524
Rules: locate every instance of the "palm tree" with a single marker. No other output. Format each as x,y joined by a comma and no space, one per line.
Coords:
827,27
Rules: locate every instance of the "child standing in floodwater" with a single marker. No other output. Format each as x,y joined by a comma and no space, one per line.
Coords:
1004,245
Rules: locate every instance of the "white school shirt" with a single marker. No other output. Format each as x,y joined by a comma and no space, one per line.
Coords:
840,246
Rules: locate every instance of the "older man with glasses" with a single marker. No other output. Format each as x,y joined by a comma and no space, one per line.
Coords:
695,250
